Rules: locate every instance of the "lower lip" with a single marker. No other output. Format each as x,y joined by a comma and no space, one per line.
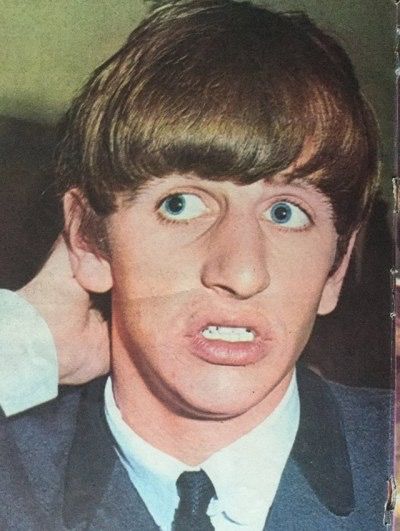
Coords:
218,352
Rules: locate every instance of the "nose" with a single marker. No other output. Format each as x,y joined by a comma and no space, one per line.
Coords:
236,263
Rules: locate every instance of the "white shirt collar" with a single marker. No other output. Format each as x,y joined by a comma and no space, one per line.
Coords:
245,474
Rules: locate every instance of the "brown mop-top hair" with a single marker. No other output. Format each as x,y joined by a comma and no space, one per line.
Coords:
223,90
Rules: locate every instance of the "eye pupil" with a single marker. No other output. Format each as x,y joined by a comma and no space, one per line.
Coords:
281,213
175,204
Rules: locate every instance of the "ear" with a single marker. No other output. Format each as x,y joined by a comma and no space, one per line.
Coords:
333,285
90,267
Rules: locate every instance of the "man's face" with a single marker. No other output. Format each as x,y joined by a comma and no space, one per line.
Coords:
215,291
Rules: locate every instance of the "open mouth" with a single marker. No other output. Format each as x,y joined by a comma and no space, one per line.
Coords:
231,334
234,341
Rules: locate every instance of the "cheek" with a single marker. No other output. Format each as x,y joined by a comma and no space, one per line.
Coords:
152,271
149,316
312,262
296,288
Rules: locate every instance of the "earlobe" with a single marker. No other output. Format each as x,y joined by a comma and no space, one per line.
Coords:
90,267
333,285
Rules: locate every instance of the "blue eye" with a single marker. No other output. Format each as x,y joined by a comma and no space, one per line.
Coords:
288,215
182,207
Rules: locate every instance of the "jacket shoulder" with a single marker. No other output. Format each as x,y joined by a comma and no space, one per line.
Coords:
37,444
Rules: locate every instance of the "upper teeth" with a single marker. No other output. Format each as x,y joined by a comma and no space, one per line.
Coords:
228,333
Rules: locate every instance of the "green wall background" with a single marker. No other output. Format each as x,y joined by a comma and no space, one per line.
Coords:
49,47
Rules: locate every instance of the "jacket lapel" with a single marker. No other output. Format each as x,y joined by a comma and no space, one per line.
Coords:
320,447
318,472
97,488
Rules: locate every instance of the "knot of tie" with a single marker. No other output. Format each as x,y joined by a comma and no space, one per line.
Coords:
195,491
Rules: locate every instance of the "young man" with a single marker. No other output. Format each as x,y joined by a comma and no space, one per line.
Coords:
215,172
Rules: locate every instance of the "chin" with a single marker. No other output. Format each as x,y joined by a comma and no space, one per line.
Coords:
218,410
219,398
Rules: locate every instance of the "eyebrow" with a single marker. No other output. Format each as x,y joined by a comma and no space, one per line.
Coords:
303,186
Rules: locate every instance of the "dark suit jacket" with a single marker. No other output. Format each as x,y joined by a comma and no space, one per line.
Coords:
58,468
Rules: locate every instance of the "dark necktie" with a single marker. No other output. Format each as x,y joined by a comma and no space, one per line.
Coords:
195,492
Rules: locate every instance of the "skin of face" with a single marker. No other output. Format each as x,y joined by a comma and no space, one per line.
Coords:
189,253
